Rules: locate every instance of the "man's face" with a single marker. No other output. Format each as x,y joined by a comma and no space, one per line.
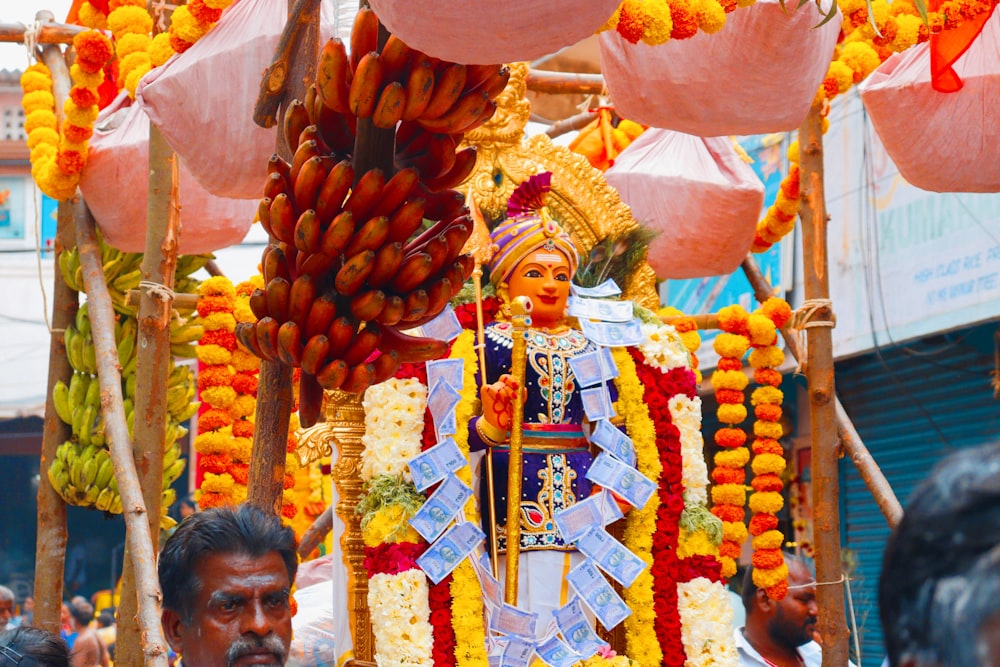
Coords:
241,614
6,612
794,619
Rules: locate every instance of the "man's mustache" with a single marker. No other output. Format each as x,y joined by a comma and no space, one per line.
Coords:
247,644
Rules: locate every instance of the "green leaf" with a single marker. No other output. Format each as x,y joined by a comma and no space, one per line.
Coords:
832,13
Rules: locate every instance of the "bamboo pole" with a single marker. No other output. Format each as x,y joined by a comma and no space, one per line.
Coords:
855,447
822,411
50,545
317,532
267,461
137,533
563,83
159,263
565,125
52,33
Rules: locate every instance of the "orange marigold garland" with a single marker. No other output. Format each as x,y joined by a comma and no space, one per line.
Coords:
770,572
215,443
729,477
58,154
657,21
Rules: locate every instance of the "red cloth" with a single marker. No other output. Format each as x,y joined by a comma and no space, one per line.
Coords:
948,46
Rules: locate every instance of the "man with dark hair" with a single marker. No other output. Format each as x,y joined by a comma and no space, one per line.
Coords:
779,633
939,592
32,647
87,648
226,576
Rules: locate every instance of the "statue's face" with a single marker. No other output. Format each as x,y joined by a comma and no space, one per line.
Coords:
543,276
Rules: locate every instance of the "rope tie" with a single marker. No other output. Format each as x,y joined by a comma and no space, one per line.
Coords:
31,35
843,578
805,317
163,293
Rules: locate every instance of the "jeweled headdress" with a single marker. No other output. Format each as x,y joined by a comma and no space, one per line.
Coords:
528,228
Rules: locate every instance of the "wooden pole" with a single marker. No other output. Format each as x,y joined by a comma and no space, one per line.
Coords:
159,263
317,532
565,83
50,544
52,33
855,447
267,461
565,125
137,533
822,412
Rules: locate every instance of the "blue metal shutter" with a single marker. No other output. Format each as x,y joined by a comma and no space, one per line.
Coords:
889,398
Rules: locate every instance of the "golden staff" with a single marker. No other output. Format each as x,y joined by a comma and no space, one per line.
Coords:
479,246
520,308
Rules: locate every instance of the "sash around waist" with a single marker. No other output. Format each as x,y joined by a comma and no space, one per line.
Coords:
550,439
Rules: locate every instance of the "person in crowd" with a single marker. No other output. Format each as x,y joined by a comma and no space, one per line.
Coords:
66,626
88,651
779,633
107,631
27,612
6,608
226,576
939,591
32,647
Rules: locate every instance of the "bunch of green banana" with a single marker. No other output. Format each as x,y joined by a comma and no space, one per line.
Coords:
82,472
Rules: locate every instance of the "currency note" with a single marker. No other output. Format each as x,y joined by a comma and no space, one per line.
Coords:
448,425
621,478
517,652
600,309
576,630
557,653
597,403
443,327
599,509
611,555
612,334
448,371
587,368
510,620
442,506
597,593
449,550
432,465
608,288
613,441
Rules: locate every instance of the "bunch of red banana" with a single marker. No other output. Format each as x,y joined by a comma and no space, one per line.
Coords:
349,270
431,102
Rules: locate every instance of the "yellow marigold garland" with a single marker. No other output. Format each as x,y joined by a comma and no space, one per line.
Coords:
770,572
729,381
657,21
131,24
640,638
467,601
58,154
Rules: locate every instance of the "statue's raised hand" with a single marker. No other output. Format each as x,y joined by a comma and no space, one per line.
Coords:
498,402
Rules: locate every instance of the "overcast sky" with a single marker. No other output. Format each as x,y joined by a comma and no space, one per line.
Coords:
14,56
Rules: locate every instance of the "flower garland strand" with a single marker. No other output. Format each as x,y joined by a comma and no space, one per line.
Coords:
215,443
641,640
58,154
131,25
467,601
770,572
729,381
657,21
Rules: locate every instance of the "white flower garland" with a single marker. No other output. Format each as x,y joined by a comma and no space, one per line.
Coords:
399,609
394,420
663,348
706,623
685,413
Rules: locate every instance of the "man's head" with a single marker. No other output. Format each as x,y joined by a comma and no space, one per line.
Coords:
6,606
789,622
226,576
32,647
81,611
939,591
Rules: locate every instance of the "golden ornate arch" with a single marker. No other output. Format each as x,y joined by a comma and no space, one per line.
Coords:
581,199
